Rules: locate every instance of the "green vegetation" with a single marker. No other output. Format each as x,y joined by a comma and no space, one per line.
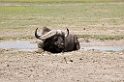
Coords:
110,51
103,37
49,1
16,37
19,20
0,51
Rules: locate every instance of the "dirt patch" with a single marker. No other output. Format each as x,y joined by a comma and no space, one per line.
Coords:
76,66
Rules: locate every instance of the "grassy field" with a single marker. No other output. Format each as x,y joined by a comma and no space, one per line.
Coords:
49,1
20,20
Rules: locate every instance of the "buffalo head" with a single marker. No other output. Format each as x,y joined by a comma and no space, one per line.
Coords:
53,40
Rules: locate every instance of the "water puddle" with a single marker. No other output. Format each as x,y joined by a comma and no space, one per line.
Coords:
15,46
26,46
103,45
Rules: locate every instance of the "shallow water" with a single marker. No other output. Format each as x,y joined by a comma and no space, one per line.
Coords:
102,45
26,46
15,46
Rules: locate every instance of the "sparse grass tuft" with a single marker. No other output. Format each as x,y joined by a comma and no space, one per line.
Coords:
102,37
110,51
16,37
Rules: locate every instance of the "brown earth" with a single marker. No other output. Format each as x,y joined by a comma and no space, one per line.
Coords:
76,66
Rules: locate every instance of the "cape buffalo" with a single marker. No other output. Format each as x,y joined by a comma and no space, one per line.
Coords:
56,41
52,40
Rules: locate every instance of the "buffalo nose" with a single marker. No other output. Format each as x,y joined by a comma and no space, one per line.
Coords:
62,44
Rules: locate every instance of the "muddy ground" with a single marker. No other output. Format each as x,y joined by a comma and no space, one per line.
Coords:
76,66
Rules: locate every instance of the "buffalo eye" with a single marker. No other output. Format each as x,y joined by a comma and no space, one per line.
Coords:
55,38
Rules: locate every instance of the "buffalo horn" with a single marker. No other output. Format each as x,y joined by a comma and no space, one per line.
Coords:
46,35
67,32
36,35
